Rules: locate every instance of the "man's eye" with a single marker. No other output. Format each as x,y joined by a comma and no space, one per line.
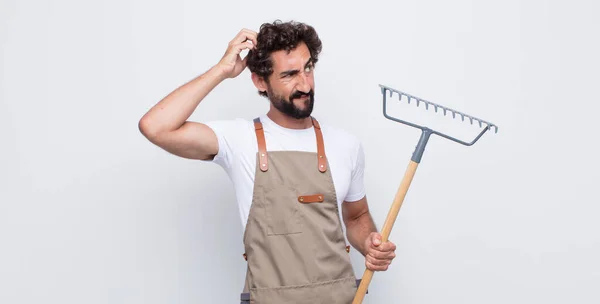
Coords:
308,68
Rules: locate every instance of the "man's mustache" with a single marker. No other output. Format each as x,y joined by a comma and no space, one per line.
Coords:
299,94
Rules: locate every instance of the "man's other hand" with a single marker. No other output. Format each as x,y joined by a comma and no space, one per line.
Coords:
379,255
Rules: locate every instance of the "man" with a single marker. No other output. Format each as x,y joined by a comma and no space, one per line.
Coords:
291,174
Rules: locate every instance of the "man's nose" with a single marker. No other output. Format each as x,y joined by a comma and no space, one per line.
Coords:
303,83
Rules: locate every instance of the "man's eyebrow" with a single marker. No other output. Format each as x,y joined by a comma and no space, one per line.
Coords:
310,61
289,73
294,72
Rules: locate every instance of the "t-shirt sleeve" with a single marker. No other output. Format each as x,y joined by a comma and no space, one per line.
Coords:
357,191
226,131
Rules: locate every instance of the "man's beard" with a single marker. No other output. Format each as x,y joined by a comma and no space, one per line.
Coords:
287,106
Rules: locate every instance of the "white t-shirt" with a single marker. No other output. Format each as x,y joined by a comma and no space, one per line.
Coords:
238,147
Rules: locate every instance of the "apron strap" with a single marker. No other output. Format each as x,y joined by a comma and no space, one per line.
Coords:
262,146
320,146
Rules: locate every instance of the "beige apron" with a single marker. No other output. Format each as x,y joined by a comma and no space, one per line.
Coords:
295,248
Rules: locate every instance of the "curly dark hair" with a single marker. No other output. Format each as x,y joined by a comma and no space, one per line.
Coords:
278,36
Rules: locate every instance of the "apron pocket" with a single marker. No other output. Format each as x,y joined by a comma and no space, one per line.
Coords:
340,291
282,212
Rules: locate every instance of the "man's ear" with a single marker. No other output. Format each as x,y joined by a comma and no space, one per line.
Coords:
259,82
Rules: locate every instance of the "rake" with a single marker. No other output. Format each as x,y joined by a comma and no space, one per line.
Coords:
414,162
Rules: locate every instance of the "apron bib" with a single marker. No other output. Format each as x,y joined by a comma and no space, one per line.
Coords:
295,247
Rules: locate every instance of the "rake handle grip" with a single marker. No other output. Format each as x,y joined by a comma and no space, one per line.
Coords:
387,226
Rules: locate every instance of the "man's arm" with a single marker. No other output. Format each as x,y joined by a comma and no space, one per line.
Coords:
362,235
359,223
166,125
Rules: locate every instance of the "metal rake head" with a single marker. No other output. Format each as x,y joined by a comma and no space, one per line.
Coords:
418,101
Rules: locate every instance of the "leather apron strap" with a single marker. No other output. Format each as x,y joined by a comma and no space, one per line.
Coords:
262,146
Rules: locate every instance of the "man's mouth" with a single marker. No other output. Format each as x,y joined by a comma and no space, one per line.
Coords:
302,97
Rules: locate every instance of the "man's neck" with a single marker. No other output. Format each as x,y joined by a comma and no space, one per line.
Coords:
289,122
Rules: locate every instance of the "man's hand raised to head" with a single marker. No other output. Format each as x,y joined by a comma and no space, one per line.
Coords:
378,255
232,64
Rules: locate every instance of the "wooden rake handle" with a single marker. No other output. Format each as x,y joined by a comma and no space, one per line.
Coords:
387,227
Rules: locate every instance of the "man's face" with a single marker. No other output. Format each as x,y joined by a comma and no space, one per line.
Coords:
291,86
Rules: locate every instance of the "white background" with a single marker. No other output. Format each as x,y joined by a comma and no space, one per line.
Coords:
91,212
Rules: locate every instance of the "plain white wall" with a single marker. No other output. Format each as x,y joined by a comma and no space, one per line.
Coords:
91,212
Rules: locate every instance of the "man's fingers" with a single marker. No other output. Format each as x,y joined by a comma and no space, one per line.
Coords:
238,48
384,247
381,254
251,35
377,262
245,61
243,35
239,38
374,267
387,246
243,46
375,239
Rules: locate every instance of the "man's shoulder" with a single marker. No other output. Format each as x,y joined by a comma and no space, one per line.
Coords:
234,133
339,135
232,125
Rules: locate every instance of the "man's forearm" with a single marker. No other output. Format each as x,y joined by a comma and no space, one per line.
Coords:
358,230
173,110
